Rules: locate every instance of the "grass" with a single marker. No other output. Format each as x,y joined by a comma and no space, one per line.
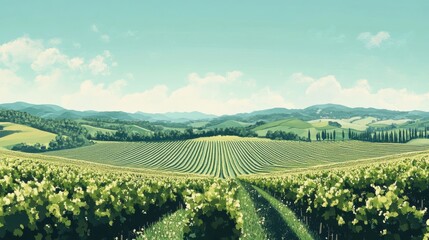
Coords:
391,121
93,130
137,129
294,225
252,228
278,221
230,123
286,123
199,124
232,156
16,133
365,121
418,142
170,227
345,123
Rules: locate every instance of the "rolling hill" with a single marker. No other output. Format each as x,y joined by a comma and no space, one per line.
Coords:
323,111
13,134
230,123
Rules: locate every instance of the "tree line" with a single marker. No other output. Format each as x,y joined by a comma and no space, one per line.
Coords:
115,124
70,134
392,136
325,135
283,135
374,135
170,135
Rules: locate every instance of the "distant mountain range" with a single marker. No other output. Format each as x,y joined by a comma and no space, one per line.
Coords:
57,112
310,113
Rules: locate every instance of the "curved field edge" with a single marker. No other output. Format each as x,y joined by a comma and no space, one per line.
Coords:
352,164
61,161
232,156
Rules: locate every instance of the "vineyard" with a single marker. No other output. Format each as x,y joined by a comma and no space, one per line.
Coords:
48,197
45,200
232,156
378,201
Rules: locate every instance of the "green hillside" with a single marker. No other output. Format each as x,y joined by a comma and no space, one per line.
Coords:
137,129
230,123
13,134
295,125
93,130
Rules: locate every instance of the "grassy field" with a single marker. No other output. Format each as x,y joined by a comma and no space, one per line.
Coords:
288,125
93,130
137,129
230,123
232,156
345,123
16,133
198,124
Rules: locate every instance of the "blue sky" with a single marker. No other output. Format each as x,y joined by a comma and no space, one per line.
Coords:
215,57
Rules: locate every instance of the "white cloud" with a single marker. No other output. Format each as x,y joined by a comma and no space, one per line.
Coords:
96,96
98,65
94,28
301,78
131,33
8,77
55,41
9,85
326,86
47,58
21,50
212,78
48,80
105,38
375,40
211,93
76,63
329,90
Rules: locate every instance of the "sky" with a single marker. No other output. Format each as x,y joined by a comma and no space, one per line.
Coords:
218,57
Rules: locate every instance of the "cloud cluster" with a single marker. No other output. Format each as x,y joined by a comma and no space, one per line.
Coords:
100,65
103,36
328,89
373,40
46,69
209,93
78,83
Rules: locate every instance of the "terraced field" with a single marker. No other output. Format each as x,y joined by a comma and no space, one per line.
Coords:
232,156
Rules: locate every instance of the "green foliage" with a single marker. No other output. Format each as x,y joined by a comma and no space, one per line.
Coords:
212,212
380,201
282,135
334,124
123,134
70,133
64,127
64,201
